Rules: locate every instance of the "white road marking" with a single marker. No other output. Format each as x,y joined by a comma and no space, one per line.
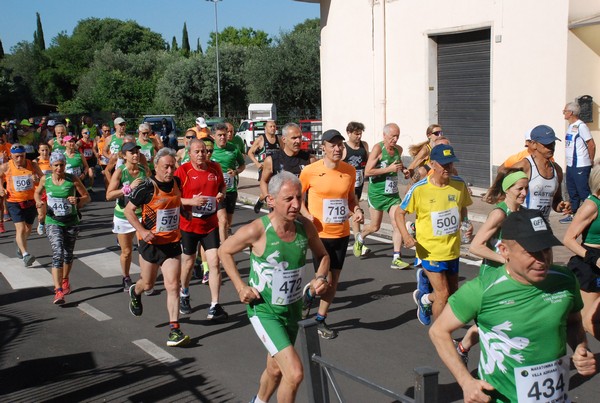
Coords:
158,353
93,312
20,277
104,262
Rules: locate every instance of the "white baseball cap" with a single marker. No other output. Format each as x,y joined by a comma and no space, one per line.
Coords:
200,121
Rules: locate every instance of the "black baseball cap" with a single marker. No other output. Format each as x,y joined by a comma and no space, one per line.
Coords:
331,134
129,146
529,229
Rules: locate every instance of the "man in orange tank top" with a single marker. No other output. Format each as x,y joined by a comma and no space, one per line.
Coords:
21,176
159,236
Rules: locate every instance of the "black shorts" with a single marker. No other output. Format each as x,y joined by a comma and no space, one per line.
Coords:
189,241
358,192
157,254
92,162
228,202
588,280
22,211
336,248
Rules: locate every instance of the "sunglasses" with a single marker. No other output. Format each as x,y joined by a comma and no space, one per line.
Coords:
85,132
189,137
209,150
145,133
437,133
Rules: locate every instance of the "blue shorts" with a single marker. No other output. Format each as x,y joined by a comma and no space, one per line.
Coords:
450,266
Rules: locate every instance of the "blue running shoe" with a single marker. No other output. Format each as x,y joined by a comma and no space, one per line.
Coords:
423,310
423,283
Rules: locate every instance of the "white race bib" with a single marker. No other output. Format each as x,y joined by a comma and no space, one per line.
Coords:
167,220
335,211
114,148
76,171
287,286
547,382
360,178
391,185
88,152
209,208
445,222
147,153
60,206
229,180
23,183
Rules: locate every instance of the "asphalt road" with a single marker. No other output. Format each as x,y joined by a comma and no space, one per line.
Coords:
93,349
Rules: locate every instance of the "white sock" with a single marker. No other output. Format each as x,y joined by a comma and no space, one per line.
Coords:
257,400
359,238
425,299
212,304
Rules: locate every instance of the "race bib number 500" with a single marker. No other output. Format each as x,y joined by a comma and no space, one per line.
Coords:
445,222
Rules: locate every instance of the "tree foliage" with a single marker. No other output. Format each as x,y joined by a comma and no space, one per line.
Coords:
38,36
242,36
174,46
185,42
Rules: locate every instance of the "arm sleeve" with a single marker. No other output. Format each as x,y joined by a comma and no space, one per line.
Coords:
142,194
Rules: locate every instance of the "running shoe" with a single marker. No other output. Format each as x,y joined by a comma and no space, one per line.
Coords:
177,338
258,206
150,292
423,310
135,305
566,220
41,229
205,278
307,301
2,229
66,286
358,245
464,354
18,251
184,304
398,264
28,260
423,283
325,331
127,283
59,297
217,313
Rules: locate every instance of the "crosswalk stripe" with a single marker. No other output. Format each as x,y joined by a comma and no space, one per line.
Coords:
93,312
104,262
20,277
155,351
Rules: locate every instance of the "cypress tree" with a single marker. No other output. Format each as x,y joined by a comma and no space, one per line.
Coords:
38,36
174,46
185,42
1,50
198,47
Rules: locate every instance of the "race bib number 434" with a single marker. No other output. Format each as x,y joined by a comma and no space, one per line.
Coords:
547,382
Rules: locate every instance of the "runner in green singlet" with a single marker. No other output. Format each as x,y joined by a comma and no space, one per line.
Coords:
279,242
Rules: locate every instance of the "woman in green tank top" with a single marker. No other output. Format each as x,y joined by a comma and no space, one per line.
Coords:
62,219
125,178
584,264
512,187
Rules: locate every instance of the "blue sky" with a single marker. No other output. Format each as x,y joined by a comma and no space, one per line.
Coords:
166,17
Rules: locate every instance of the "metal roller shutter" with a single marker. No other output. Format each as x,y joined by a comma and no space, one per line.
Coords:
463,67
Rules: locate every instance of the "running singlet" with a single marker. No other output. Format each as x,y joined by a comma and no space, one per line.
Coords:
207,183
494,241
87,149
160,209
74,164
229,157
328,194
148,151
278,274
358,159
386,184
294,164
268,148
438,217
45,166
60,210
19,182
524,359
591,235
541,190
115,144
126,179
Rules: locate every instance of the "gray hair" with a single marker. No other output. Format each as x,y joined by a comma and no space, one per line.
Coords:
163,152
128,138
286,128
60,125
277,181
574,108
388,128
221,126
144,126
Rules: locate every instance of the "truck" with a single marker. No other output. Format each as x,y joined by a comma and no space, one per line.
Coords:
262,112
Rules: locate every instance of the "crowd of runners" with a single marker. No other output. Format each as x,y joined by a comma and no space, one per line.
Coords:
177,209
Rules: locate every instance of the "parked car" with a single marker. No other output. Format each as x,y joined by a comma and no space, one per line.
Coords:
249,129
311,135
212,122
169,133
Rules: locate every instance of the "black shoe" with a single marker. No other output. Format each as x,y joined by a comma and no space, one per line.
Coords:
135,305
184,305
177,338
258,206
325,331
217,313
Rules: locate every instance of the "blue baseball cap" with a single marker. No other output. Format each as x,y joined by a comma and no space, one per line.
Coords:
17,148
443,154
543,134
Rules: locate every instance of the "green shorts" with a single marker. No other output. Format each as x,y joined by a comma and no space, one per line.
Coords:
276,330
383,202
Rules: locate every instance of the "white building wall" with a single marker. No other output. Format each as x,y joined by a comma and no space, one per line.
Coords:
378,65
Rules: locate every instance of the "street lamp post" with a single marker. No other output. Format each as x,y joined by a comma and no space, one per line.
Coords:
217,48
